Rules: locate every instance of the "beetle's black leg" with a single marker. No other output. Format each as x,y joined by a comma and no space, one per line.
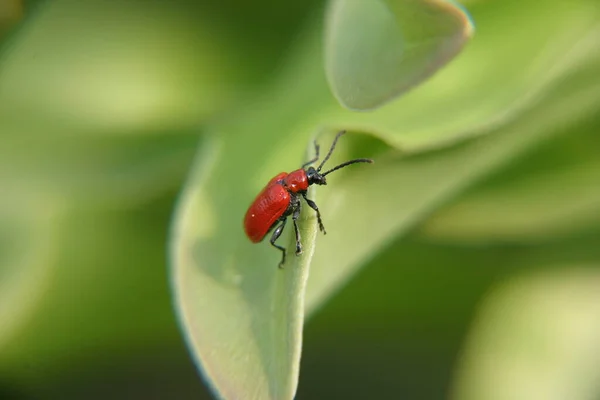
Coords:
275,236
295,217
312,205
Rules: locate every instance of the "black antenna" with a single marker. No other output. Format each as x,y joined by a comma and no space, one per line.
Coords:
340,133
358,160
306,164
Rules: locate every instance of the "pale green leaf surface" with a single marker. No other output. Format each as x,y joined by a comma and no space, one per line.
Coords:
534,208
242,316
398,192
535,338
376,50
549,193
242,327
510,65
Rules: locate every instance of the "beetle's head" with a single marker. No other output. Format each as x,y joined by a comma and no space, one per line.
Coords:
314,177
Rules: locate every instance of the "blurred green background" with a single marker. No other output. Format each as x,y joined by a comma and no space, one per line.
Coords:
103,106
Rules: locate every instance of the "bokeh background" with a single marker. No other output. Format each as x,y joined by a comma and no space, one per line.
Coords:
103,105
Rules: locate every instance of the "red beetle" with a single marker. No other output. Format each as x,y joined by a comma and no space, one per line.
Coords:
280,198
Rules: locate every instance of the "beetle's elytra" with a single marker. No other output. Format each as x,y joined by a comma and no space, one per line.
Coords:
281,197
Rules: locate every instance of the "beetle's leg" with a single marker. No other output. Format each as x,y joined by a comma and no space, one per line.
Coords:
306,164
275,236
312,205
295,217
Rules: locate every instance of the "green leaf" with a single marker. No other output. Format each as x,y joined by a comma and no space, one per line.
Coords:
517,58
549,193
535,337
230,295
533,208
242,316
377,50
400,191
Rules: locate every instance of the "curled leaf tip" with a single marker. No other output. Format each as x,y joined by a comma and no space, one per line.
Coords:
377,50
